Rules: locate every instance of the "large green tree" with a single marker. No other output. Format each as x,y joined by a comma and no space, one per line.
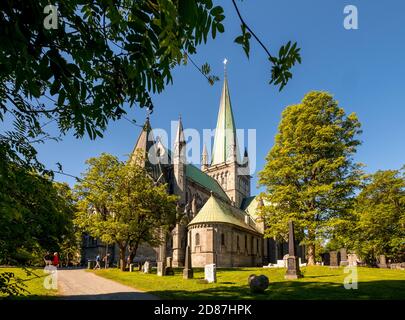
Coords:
120,204
35,215
376,225
310,175
103,56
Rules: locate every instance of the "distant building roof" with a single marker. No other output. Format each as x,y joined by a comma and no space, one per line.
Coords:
206,181
218,211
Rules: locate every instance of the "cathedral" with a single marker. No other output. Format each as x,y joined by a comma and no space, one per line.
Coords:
219,221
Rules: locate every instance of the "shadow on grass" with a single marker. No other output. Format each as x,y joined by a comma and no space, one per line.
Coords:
295,290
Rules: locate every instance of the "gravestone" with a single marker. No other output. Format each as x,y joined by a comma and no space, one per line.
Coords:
343,257
285,260
383,262
333,259
188,270
293,268
168,269
160,268
210,273
131,267
146,267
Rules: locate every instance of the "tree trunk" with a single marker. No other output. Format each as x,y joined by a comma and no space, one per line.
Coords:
132,252
122,258
311,254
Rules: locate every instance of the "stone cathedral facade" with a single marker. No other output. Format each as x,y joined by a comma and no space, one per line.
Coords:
219,221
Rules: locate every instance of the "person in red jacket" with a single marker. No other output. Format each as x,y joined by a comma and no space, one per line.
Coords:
55,260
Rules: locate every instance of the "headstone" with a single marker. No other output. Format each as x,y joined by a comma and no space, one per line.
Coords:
258,284
210,273
168,269
333,259
160,268
131,267
383,262
343,257
285,260
188,270
293,268
146,267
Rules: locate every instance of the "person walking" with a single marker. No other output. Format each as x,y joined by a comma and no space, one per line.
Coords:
97,266
55,260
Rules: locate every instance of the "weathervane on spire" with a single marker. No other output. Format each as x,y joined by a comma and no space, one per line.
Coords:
225,62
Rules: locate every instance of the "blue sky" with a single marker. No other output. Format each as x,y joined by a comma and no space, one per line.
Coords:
364,69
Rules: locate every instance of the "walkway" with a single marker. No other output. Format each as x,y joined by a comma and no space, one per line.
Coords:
77,284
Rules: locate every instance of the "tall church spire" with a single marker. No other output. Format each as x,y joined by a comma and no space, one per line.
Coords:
204,159
225,140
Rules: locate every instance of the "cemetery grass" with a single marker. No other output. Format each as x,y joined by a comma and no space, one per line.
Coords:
319,283
33,282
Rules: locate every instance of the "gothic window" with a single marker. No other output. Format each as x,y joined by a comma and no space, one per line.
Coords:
197,239
237,243
246,242
252,246
257,245
222,239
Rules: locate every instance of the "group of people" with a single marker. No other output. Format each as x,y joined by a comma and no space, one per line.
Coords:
106,259
51,259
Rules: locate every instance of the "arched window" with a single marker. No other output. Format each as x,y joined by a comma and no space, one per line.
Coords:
246,242
197,239
252,246
257,244
237,243
222,239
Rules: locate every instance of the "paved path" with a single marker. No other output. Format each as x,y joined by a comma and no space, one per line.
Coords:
77,284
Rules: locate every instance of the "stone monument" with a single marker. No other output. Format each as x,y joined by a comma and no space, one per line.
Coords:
333,258
210,273
146,267
188,270
168,269
343,257
293,268
382,262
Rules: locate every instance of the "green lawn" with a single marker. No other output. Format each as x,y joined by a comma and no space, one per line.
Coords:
34,283
318,283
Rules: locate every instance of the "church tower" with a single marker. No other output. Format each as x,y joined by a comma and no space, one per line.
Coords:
226,165
179,233
179,164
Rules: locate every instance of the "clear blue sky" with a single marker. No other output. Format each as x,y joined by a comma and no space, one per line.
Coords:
364,69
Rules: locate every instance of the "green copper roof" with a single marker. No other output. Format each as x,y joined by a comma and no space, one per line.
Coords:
246,202
225,134
204,180
216,210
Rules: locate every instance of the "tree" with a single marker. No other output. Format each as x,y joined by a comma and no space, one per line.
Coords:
377,223
119,203
310,176
103,55
34,215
